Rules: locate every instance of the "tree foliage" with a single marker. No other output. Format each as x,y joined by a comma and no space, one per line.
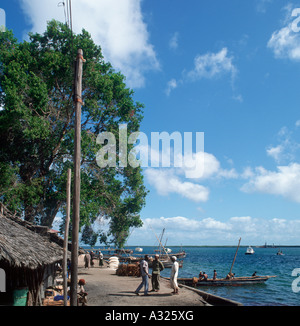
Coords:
37,131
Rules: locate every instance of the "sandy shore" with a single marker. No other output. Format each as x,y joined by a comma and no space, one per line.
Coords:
105,288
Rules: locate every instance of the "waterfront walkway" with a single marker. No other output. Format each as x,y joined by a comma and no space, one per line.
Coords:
105,288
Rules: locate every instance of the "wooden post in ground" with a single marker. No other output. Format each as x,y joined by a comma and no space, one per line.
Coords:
67,222
77,159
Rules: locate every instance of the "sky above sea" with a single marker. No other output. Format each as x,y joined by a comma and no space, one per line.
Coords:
229,69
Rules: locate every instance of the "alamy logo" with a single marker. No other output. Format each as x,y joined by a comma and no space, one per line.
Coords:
2,280
295,283
294,26
2,20
164,151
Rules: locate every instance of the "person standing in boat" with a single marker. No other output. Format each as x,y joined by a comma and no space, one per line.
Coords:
157,267
215,275
174,275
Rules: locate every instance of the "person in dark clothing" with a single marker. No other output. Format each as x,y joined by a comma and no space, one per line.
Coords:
157,267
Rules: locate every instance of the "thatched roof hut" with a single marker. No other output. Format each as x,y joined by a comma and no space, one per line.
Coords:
27,251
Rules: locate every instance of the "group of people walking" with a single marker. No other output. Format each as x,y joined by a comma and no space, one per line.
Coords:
89,259
157,267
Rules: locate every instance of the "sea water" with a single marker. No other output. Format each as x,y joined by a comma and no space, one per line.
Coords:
265,261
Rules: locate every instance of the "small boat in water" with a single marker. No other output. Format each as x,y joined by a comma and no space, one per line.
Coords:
249,251
236,281
229,280
138,249
178,255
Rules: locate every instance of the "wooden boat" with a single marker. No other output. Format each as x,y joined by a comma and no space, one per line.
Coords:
232,281
167,250
166,253
178,255
236,281
169,263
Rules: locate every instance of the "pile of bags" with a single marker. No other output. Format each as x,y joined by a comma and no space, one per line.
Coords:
129,270
113,262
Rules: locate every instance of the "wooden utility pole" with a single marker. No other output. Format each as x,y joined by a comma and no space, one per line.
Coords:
67,222
77,159
235,256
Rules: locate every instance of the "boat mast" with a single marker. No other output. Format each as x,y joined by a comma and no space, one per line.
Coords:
235,256
161,243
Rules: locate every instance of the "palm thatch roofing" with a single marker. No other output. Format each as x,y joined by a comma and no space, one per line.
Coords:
24,245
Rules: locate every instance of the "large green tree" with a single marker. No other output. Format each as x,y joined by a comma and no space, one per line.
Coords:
37,131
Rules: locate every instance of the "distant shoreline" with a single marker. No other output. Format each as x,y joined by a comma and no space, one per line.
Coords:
194,246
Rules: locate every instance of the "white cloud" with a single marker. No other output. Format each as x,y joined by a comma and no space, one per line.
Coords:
211,169
288,147
283,182
275,152
211,65
185,224
117,26
213,231
285,42
172,84
247,173
171,180
166,182
173,44
244,224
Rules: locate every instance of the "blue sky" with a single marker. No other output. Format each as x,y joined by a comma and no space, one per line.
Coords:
230,69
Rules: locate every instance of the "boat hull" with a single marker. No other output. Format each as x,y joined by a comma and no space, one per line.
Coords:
237,281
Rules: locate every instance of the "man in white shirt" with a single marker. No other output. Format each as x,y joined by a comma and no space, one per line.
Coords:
174,275
145,276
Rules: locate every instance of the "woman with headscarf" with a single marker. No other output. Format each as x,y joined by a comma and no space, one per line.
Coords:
174,275
81,293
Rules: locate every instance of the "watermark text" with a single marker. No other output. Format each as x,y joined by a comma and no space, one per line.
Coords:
164,150
296,282
295,24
